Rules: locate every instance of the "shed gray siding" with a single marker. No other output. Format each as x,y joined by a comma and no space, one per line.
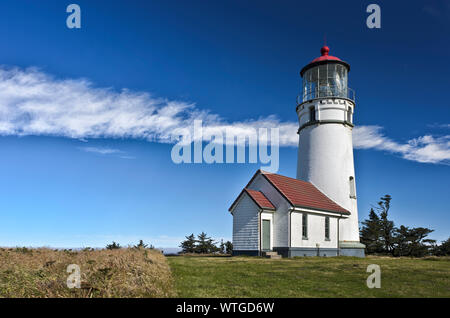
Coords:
245,224
280,221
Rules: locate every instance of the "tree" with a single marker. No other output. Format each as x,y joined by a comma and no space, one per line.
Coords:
387,226
377,233
188,245
141,245
412,242
443,249
371,233
205,244
228,247
222,247
113,246
380,235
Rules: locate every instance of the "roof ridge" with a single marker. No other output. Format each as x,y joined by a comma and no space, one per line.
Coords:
277,174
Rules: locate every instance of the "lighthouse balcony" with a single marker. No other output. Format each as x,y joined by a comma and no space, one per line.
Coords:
326,92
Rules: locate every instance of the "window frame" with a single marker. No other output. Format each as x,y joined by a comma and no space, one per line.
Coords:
327,228
349,115
351,181
312,114
304,226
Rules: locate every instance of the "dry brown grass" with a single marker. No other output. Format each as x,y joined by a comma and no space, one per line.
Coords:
127,272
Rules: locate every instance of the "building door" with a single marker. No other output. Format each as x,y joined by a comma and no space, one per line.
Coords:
266,235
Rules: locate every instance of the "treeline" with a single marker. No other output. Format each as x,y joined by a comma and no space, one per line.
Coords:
141,244
202,244
381,236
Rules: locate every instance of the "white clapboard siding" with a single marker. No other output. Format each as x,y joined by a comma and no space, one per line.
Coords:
316,231
280,226
245,224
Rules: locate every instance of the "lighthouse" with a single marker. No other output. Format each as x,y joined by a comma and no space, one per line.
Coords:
325,109
314,214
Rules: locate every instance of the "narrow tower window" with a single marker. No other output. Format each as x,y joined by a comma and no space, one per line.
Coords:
349,115
327,228
352,188
312,114
305,226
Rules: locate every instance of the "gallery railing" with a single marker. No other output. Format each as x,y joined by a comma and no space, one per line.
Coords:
326,91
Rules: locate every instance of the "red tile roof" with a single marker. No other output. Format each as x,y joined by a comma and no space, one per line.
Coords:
260,199
302,194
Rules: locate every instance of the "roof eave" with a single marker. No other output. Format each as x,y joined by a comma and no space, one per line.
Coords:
321,210
256,202
312,64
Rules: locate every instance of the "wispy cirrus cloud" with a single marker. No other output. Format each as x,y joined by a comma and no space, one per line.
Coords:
101,150
35,103
107,151
426,149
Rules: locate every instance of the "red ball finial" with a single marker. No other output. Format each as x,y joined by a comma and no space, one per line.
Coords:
324,50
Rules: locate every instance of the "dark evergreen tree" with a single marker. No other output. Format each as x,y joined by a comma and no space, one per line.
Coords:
141,244
113,246
380,235
371,233
222,247
443,249
188,245
387,226
205,244
228,247
402,241
412,242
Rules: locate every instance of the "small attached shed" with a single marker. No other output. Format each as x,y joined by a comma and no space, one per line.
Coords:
274,213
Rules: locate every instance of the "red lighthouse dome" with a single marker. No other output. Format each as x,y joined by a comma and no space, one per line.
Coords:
325,76
324,55
324,58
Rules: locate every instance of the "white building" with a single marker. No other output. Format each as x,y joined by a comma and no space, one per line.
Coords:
315,214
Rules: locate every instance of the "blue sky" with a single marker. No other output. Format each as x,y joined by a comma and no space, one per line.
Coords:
86,115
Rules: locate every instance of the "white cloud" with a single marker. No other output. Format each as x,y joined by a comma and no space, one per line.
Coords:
35,103
427,149
101,150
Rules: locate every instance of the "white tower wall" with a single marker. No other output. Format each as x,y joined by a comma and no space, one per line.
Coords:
325,156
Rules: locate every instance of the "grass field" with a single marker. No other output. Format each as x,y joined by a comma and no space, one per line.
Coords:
131,272
308,277
124,272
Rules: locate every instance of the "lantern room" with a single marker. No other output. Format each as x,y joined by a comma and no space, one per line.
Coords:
325,76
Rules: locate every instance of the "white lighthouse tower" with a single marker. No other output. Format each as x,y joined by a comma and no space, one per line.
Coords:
325,111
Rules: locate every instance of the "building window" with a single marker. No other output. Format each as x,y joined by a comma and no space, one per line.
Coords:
312,114
327,228
352,188
305,226
349,115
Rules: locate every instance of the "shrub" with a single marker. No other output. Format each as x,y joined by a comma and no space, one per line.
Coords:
113,246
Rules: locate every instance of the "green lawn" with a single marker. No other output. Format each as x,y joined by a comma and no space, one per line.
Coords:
308,277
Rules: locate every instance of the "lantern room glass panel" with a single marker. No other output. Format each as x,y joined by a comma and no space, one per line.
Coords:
328,80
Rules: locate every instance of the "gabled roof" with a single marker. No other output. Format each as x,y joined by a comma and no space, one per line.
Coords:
302,194
258,197
299,193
